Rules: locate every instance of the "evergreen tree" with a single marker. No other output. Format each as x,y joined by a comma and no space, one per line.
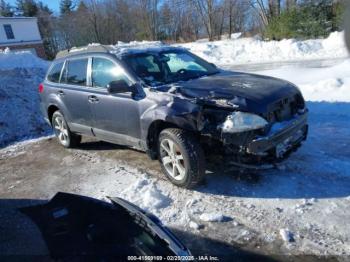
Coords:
27,7
44,8
5,9
309,19
82,7
66,6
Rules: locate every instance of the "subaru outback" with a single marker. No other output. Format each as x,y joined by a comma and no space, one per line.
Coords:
173,105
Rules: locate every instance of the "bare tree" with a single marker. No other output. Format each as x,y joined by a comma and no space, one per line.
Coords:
110,21
262,11
93,17
220,15
205,9
148,15
230,5
274,8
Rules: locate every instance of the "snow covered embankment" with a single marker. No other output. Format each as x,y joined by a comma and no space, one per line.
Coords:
329,84
20,76
20,59
253,50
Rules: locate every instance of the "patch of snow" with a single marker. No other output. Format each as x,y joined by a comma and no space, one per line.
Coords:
286,235
18,148
223,37
194,225
236,35
145,193
140,46
79,49
211,217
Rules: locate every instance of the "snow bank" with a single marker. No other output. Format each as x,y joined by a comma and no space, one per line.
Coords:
253,50
20,116
20,75
331,84
20,59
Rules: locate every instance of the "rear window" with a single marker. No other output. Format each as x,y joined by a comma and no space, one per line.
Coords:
76,74
55,72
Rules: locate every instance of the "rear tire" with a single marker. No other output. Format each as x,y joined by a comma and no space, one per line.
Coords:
64,136
181,157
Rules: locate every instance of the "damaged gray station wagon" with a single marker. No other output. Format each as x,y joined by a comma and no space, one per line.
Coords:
173,105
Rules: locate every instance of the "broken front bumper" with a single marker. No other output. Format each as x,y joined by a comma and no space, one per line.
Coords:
283,137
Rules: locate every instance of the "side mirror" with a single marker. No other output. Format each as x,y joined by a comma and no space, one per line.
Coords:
120,86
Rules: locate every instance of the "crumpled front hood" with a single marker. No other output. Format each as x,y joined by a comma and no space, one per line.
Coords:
245,91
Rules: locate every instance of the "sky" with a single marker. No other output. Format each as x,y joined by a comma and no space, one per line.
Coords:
52,4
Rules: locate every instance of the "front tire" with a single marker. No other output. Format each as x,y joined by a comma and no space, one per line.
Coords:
181,157
64,136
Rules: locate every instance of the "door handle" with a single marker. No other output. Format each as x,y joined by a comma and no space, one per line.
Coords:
93,99
60,93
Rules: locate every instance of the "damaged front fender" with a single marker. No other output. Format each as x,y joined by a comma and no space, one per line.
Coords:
178,112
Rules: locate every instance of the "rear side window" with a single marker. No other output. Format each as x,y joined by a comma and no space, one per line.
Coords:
55,72
75,72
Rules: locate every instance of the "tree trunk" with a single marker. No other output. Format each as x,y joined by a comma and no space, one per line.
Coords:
290,4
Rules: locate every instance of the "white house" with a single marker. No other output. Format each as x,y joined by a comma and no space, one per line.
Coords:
21,33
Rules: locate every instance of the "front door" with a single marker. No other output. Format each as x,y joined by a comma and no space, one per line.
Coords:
116,116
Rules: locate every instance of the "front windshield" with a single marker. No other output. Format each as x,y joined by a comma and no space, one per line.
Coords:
168,67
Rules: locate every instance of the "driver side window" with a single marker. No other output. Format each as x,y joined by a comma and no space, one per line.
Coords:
105,71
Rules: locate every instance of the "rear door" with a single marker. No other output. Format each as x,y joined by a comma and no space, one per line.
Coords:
75,94
116,116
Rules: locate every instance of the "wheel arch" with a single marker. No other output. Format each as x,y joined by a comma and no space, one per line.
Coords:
51,110
154,130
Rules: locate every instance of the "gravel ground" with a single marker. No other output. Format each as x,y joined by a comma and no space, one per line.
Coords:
281,213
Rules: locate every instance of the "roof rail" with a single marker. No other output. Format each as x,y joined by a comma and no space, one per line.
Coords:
84,49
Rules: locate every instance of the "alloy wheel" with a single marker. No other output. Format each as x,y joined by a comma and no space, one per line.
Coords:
172,159
61,130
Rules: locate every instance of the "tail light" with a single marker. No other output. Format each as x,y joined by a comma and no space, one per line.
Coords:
41,88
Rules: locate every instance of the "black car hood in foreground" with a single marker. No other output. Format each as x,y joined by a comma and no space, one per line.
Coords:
245,91
80,228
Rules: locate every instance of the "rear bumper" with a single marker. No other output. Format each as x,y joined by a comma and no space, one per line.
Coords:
283,137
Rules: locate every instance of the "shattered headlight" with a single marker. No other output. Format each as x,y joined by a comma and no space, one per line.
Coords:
241,121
